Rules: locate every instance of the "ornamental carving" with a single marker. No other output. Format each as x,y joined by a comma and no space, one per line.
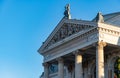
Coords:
67,30
110,31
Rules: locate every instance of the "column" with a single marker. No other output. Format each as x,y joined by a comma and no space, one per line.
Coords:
46,70
60,68
100,59
78,65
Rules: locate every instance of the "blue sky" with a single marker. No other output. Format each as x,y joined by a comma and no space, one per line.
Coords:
25,24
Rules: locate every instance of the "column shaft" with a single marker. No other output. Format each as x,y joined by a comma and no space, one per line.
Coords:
100,60
78,66
60,68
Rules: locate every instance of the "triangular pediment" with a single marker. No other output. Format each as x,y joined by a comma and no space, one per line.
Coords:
66,28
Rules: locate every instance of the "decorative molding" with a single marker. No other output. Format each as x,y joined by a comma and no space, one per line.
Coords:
108,31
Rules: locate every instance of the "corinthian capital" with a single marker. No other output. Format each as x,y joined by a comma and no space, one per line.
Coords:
45,64
101,44
60,59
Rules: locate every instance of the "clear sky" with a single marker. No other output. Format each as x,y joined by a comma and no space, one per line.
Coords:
25,24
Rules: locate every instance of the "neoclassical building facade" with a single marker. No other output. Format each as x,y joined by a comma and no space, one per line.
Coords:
83,49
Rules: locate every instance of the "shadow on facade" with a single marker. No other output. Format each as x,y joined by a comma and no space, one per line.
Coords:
118,42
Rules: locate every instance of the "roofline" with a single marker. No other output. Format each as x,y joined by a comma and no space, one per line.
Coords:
111,13
107,15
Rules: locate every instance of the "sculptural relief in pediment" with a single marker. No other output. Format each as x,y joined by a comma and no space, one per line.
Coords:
67,30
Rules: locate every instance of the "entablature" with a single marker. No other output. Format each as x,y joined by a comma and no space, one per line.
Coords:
110,29
109,33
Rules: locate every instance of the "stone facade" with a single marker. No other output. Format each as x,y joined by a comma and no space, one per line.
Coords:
83,49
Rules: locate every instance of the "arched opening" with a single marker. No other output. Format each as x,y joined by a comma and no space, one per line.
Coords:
117,68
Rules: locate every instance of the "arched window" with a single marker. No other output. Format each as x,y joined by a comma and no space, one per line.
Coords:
117,68
53,68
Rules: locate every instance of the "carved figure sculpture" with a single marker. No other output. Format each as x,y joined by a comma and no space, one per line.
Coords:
67,11
70,30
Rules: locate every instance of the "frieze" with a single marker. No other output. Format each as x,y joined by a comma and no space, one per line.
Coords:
67,30
110,31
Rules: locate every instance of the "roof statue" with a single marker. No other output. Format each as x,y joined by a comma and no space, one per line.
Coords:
67,12
99,17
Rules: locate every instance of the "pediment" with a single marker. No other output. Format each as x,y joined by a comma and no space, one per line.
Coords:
64,29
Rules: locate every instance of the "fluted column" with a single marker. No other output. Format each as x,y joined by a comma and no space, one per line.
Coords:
60,68
100,59
46,70
78,65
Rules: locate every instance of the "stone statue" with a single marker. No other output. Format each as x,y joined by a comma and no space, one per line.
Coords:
67,11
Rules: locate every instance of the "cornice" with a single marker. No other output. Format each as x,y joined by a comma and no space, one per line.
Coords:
109,31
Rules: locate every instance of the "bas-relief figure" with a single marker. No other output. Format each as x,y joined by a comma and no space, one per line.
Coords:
70,30
66,31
